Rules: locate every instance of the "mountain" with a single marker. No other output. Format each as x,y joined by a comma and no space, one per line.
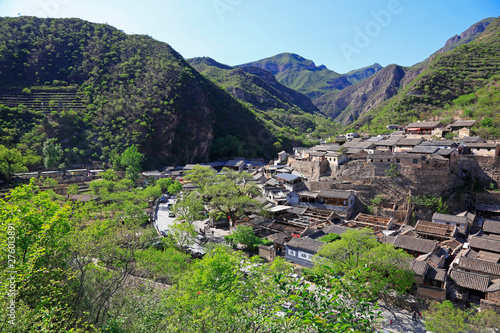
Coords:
467,36
347,105
253,85
463,83
450,72
302,74
358,75
290,115
98,90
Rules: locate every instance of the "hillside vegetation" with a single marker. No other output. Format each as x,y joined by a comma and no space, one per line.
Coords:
290,115
103,90
459,83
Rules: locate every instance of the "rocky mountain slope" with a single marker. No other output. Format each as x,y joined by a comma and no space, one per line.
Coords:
131,89
462,83
447,74
302,74
291,115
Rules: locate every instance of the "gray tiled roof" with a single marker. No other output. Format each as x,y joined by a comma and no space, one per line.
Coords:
443,143
307,244
479,266
334,229
425,124
419,267
462,123
423,150
483,243
449,218
436,274
338,194
491,226
470,280
415,244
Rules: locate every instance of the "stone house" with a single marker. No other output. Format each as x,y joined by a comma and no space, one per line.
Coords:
482,149
289,181
415,246
461,127
435,231
301,250
427,128
406,144
461,222
430,282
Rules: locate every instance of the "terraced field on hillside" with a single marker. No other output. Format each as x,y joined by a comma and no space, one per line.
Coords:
44,100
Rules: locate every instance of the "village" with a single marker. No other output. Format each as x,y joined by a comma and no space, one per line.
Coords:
325,189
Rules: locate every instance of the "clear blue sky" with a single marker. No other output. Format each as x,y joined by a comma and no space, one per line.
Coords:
342,35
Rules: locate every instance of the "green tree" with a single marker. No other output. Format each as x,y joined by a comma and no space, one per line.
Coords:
72,189
228,192
358,253
11,162
245,235
52,153
446,318
38,229
131,160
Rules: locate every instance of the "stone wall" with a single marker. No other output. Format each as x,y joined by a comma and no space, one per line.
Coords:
490,305
432,293
311,170
485,170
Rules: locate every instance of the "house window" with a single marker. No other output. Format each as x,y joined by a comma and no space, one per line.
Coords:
292,253
398,160
305,256
415,161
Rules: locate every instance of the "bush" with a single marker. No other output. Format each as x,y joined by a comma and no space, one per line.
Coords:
329,238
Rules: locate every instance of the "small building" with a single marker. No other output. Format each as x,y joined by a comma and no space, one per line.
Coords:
406,144
238,164
415,246
301,250
336,158
462,128
387,145
482,149
282,155
490,269
491,227
336,199
486,244
425,128
473,283
430,281
317,156
289,181
435,231
376,223
461,222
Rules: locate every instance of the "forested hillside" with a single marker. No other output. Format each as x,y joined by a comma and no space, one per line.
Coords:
290,115
97,91
461,83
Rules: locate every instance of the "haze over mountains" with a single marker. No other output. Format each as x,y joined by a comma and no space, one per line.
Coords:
98,91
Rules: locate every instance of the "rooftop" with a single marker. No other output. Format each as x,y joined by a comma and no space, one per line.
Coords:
449,218
425,124
415,244
287,176
470,280
335,194
479,266
491,226
307,244
483,243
